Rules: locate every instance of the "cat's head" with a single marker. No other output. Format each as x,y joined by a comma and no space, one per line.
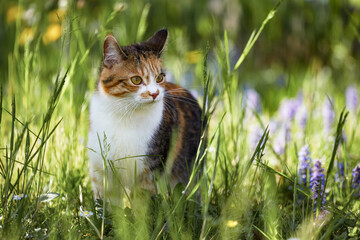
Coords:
134,72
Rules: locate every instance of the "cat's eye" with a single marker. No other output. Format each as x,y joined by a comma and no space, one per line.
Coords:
160,78
136,80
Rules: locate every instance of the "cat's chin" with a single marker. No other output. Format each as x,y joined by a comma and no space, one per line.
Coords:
150,102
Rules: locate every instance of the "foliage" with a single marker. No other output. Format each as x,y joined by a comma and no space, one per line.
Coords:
287,93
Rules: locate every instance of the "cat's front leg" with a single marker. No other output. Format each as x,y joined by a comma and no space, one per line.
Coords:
146,181
97,180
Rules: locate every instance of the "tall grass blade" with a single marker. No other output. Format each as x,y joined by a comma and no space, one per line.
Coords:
338,138
255,35
142,23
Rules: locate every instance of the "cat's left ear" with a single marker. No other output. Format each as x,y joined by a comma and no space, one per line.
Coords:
112,52
158,41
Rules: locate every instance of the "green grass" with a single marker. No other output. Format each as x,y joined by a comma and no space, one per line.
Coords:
244,192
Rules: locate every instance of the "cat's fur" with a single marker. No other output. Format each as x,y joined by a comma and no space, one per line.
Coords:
140,121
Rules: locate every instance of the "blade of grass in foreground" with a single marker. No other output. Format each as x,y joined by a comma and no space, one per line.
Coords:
208,196
270,169
255,35
1,103
258,154
338,138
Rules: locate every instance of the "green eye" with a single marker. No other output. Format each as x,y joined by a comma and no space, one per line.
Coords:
160,78
136,80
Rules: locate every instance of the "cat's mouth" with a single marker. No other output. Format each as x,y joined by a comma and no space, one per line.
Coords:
150,101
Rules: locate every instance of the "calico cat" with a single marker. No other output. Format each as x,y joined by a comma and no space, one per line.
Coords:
139,112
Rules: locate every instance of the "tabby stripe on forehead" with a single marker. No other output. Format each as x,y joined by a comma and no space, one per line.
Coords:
109,79
109,82
153,68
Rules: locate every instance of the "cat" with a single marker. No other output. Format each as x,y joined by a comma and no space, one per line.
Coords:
139,113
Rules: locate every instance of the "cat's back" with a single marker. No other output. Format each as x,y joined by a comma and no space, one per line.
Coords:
186,105
189,117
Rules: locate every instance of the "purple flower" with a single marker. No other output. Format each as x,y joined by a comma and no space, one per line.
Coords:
283,137
252,100
340,174
279,145
255,136
328,114
356,178
273,126
289,107
305,164
302,116
317,184
352,98
341,169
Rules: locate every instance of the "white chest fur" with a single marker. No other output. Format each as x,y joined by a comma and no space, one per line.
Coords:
128,135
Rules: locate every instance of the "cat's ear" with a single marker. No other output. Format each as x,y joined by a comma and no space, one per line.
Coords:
112,53
157,41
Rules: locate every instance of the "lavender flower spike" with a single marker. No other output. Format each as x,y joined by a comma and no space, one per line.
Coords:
317,184
356,178
328,114
289,107
301,116
341,169
283,137
352,98
255,135
305,162
252,100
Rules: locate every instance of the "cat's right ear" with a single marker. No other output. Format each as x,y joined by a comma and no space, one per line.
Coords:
112,53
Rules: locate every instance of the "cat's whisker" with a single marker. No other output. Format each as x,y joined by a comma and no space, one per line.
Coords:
119,107
170,109
178,91
122,109
185,100
130,109
182,96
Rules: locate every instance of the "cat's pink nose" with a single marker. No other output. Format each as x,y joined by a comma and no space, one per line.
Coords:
154,95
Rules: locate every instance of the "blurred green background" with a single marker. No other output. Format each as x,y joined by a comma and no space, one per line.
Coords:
313,34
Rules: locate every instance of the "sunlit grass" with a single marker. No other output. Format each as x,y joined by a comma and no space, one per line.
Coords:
248,189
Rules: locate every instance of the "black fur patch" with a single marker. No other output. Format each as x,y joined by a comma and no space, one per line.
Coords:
191,134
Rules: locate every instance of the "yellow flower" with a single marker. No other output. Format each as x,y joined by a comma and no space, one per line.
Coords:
232,223
55,15
193,56
26,35
12,13
52,33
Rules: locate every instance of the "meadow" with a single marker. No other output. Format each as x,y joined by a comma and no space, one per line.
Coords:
277,81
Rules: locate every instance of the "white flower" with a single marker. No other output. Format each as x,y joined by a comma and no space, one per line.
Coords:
86,213
27,235
20,196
